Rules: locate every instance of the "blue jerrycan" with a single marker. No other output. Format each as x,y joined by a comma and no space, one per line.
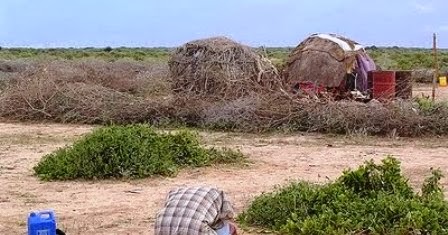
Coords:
42,223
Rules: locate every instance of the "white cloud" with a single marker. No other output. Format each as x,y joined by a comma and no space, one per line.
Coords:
424,7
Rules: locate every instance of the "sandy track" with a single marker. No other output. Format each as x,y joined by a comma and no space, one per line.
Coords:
128,207
420,90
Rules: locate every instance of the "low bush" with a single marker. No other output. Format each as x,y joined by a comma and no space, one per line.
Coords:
132,151
373,199
429,107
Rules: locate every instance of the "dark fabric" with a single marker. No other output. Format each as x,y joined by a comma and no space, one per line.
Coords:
365,65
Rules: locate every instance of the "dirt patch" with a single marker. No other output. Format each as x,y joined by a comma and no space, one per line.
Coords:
129,207
425,90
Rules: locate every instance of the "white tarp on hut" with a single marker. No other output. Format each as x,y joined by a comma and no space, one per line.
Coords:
343,44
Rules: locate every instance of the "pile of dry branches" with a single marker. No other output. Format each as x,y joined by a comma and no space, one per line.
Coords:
222,68
275,111
111,93
80,92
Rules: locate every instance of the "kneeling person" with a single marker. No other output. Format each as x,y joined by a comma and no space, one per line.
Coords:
196,211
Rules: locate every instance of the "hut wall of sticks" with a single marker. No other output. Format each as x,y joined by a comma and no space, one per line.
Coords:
325,60
221,67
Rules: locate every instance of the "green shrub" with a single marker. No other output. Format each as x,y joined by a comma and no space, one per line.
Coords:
133,151
374,199
429,107
407,58
425,105
108,49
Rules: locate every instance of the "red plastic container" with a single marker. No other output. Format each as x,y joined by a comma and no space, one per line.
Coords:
383,84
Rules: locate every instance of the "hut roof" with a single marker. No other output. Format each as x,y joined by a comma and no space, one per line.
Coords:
323,59
219,66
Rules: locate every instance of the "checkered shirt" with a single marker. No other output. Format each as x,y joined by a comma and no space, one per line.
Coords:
193,211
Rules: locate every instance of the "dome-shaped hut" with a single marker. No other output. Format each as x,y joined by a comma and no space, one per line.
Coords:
220,67
326,60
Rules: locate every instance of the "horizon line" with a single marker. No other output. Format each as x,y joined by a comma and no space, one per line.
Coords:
171,47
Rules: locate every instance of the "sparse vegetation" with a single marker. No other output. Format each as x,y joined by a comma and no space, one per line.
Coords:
96,92
408,58
131,85
373,199
132,151
428,107
387,58
107,54
101,90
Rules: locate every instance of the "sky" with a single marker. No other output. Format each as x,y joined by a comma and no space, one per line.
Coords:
153,23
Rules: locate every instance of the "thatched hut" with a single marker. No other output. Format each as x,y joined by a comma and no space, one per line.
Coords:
326,59
220,67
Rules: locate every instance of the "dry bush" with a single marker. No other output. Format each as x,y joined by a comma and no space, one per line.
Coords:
268,112
230,114
14,66
154,81
423,75
75,103
221,67
119,76
70,92
426,75
5,79
348,117
40,98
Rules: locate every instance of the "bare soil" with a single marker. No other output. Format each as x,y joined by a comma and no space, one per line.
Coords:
419,90
129,207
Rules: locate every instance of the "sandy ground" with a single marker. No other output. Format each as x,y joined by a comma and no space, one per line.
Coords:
129,207
420,90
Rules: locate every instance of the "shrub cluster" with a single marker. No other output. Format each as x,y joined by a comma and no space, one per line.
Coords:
406,59
132,151
373,199
107,53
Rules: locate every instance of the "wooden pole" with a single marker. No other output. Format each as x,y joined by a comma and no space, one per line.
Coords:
436,67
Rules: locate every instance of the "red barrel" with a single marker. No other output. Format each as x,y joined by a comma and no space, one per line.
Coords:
383,84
